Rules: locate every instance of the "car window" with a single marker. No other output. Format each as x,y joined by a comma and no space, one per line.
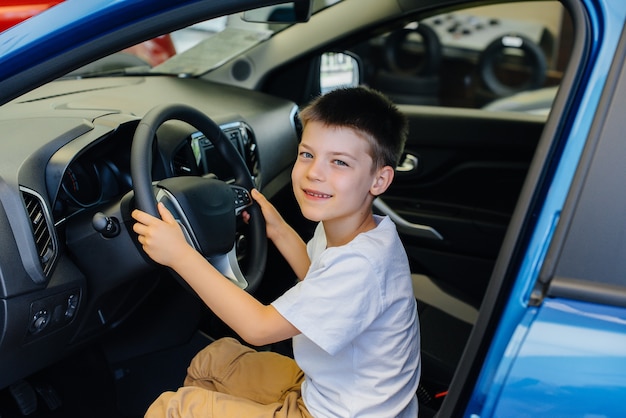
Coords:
509,56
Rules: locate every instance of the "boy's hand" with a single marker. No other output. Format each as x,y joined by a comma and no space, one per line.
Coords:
274,222
286,239
162,239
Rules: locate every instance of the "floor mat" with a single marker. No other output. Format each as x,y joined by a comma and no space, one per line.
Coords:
75,388
86,386
141,380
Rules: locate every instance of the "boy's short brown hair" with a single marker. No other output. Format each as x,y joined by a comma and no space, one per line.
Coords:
369,113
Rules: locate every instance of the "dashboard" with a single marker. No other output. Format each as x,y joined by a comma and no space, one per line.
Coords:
65,160
102,172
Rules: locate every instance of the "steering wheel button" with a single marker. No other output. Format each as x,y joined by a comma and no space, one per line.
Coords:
242,197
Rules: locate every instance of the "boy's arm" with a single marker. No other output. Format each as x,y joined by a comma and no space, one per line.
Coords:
286,239
164,242
293,248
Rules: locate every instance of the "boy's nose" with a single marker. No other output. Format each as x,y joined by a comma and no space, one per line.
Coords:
315,171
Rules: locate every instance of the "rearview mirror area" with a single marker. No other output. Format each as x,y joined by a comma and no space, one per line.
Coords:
292,12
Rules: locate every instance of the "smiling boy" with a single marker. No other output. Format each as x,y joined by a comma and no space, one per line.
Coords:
352,315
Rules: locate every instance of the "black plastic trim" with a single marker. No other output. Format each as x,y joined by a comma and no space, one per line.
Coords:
587,291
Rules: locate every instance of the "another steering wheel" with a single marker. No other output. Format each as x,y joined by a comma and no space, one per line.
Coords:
206,208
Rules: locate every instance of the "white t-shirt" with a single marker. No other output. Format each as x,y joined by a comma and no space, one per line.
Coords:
359,341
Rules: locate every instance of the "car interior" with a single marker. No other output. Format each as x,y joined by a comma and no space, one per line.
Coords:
89,326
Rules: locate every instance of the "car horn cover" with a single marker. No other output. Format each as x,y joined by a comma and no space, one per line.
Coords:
209,207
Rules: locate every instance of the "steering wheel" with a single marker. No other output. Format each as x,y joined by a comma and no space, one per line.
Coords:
531,54
205,207
399,61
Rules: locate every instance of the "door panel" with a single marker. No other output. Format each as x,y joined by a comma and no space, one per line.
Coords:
469,168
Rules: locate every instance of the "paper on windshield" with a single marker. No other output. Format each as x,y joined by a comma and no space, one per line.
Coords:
212,52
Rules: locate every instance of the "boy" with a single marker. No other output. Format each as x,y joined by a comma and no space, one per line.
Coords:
352,315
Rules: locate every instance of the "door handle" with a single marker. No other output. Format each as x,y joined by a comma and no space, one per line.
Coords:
409,163
404,226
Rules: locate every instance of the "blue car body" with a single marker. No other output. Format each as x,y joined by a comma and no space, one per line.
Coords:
570,358
561,358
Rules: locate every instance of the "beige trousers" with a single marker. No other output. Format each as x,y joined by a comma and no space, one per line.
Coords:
227,379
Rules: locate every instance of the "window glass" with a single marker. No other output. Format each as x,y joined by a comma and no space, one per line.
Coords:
508,56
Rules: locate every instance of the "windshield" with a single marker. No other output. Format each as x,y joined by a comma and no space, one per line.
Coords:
212,51
194,50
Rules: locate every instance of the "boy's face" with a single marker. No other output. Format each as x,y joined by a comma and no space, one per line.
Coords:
333,178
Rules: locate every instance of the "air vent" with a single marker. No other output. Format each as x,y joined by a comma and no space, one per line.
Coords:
185,157
251,153
42,230
181,164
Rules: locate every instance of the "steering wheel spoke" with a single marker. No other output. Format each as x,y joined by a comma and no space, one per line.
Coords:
229,267
170,202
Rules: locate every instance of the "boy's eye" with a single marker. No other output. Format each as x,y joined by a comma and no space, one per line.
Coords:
339,162
305,154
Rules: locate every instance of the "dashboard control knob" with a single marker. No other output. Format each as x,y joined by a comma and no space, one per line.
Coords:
108,226
72,305
39,321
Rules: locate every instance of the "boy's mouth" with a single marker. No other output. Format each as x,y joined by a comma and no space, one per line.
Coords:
316,194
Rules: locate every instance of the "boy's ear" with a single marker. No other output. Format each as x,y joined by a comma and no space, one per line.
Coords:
383,179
